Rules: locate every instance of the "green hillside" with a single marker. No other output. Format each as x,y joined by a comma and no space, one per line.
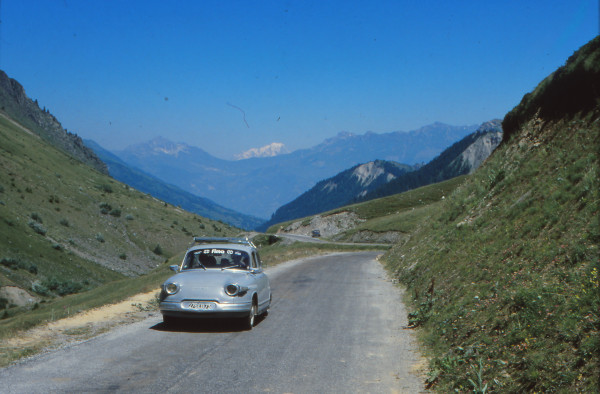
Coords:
385,219
66,228
503,274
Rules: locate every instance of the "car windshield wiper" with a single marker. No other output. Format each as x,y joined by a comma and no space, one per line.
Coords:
233,266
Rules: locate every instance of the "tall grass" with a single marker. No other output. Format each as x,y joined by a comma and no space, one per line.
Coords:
503,276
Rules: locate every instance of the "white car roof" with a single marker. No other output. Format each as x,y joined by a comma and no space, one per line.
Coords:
222,243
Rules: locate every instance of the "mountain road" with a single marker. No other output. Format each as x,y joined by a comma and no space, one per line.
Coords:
335,325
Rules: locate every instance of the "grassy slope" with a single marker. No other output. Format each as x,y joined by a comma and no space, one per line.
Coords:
400,212
503,275
76,246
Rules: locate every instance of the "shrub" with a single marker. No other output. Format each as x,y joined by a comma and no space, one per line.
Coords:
64,222
39,288
58,286
265,240
158,250
33,269
100,238
123,256
105,208
36,216
15,264
38,228
10,262
106,188
115,212
129,217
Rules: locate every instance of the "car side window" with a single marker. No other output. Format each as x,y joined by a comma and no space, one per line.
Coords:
255,260
258,260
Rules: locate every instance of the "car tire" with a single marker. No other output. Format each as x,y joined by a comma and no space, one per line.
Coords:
249,320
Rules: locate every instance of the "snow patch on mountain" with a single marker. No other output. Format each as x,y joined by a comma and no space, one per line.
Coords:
160,145
271,150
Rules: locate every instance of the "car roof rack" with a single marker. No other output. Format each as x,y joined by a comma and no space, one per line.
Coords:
222,240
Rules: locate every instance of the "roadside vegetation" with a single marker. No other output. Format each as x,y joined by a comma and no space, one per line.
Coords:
503,275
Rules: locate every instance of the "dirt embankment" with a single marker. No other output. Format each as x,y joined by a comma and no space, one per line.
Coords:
329,225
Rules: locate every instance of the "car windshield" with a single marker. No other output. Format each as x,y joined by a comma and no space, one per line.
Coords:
216,258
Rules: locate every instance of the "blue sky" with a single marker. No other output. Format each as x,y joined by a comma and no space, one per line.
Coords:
228,76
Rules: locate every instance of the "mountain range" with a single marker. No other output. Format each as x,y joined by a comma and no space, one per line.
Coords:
462,157
169,193
382,178
259,186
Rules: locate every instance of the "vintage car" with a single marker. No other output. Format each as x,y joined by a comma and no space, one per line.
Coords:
218,278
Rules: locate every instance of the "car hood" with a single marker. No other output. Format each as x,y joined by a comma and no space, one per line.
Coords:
199,284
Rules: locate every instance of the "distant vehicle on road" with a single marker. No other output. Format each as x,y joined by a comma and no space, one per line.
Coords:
218,278
316,233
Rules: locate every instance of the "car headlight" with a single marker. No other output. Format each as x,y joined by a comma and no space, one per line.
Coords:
232,290
235,290
171,288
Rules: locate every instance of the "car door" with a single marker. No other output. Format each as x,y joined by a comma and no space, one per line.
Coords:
262,281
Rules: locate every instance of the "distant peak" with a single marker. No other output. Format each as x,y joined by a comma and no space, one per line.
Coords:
368,172
163,145
160,145
271,150
345,134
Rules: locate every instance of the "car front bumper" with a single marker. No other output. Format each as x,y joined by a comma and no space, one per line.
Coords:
221,310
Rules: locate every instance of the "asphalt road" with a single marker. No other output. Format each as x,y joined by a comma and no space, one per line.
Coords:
301,238
335,326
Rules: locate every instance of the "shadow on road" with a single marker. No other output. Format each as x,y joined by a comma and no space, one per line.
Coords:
204,325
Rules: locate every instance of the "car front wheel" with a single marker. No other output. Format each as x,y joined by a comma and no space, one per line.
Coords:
249,320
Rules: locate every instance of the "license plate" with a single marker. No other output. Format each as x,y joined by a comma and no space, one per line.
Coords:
200,306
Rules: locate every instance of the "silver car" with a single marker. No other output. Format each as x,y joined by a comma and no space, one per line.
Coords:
218,277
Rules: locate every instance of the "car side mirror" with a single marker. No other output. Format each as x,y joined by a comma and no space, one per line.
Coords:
174,268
